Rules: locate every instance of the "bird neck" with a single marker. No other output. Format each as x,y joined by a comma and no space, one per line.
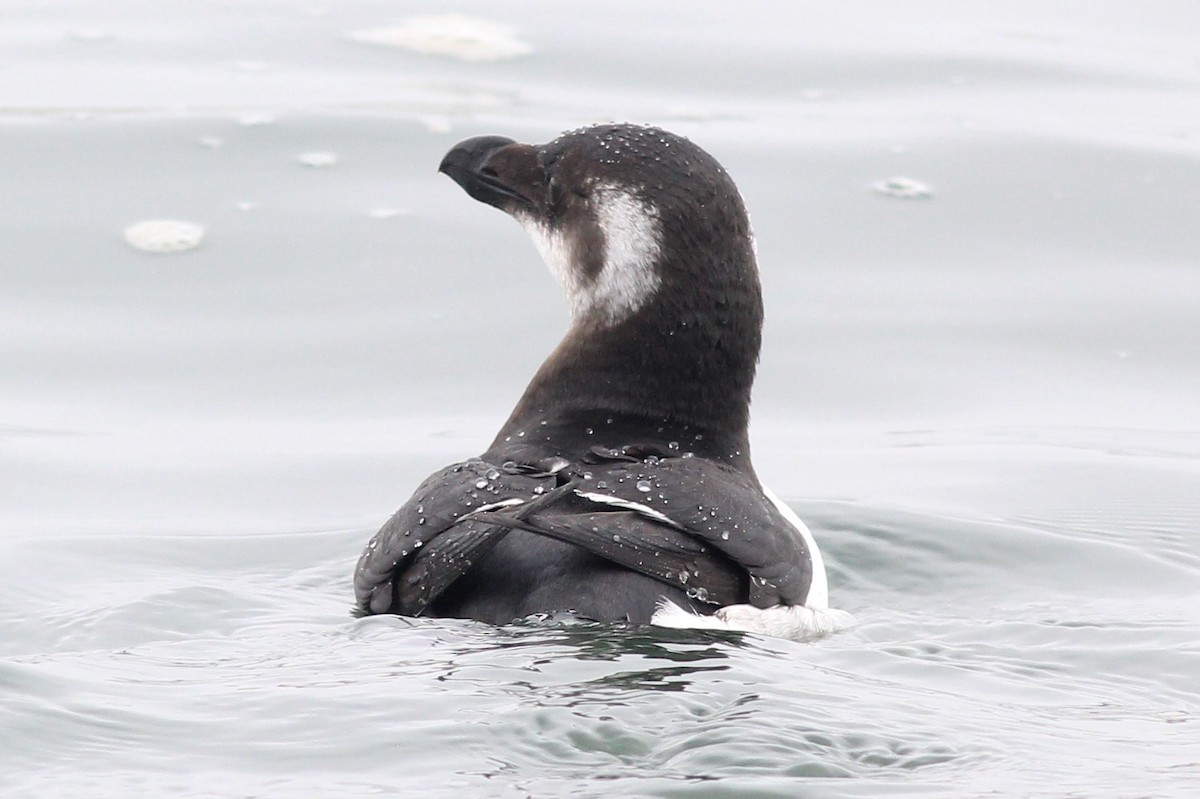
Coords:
679,370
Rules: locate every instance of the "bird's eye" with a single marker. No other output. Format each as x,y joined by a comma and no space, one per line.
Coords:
580,192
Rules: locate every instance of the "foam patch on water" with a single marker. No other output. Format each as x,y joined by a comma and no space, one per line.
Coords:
794,622
318,159
903,188
386,213
435,123
256,119
164,235
453,35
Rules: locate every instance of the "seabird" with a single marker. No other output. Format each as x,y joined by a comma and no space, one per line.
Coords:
621,487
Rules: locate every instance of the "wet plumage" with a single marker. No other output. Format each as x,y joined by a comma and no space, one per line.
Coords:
622,478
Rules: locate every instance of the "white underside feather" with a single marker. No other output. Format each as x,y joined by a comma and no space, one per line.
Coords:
793,622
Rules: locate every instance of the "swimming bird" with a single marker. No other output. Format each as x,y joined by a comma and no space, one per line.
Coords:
621,486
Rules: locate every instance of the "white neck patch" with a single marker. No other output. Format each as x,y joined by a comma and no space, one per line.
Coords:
632,244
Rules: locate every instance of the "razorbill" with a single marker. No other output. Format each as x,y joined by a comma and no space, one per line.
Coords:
620,488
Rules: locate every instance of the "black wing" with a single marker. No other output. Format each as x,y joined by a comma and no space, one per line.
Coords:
631,535
692,523
433,539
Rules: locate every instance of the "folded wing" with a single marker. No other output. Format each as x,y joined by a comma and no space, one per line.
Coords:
687,522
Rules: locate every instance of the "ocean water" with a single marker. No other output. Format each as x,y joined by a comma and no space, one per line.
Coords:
985,401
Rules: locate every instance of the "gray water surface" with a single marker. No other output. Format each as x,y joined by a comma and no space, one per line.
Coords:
986,403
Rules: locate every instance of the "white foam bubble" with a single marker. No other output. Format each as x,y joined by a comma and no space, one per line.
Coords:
164,235
453,35
435,123
318,159
386,213
903,188
256,119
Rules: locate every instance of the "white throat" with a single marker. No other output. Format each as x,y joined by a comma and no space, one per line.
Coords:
632,244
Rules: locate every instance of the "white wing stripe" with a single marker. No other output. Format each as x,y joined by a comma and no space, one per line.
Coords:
504,503
636,507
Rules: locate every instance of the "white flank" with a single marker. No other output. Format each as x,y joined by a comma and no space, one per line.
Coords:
795,622
818,591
